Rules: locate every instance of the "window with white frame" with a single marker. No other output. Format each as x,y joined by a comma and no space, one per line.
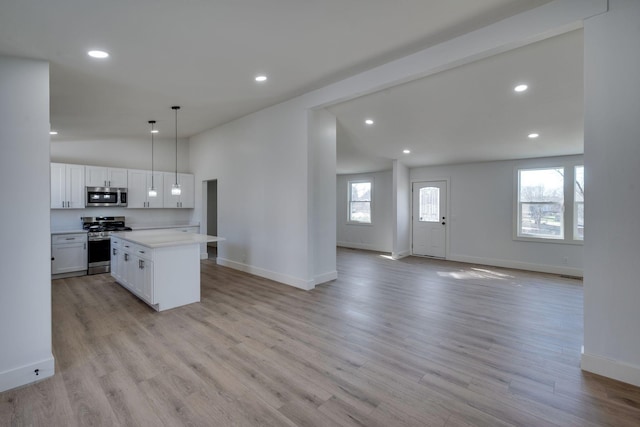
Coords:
578,202
360,198
550,201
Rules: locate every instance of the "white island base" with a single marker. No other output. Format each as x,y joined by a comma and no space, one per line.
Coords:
160,267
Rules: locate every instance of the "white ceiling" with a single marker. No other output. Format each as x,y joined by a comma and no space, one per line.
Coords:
204,55
471,113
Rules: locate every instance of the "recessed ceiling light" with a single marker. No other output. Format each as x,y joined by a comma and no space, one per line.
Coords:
533,135
406,151
368,122
99,54
261,78
53,132
521,88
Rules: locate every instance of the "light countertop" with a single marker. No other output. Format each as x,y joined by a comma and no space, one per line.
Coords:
137,227
68,231
165,238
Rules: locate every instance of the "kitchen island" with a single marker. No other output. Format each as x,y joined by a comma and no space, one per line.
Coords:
161,267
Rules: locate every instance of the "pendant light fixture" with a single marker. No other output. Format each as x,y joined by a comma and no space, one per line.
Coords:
152,190
175,188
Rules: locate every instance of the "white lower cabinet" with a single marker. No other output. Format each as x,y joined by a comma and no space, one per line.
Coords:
132,267
68,253
165,276
143,278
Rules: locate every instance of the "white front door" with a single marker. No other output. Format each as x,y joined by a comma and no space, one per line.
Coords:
430,218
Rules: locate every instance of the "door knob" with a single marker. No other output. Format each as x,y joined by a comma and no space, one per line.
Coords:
443,223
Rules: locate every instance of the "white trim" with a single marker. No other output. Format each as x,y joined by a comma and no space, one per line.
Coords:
568,206
611,368
365,179
24,375
267,274
363,246
518,265
400,255
326,277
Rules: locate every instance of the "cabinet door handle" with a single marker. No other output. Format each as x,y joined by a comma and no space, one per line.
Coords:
126,257
70,238
115,252
63,204
84,246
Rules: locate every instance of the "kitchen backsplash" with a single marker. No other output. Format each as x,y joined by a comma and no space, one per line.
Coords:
70,219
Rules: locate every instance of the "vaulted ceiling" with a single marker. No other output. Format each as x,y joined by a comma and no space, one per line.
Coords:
204,56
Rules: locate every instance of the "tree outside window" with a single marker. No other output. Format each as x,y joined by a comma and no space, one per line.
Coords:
360,202
541,203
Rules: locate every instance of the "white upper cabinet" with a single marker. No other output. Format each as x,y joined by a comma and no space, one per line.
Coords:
138,191
186,199
67,186
97,176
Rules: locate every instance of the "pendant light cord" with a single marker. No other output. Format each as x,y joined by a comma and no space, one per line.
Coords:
152,129
176,108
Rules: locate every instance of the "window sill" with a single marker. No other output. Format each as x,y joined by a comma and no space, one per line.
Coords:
359,223
542,240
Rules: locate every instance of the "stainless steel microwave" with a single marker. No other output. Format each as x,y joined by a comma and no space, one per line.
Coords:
106,196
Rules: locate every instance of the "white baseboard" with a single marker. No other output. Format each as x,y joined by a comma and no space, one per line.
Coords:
27,374
400,255
272,275
326,277
553,269
364,246
611,368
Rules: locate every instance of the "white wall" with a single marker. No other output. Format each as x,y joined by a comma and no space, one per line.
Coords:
401,215
378,235
128,153
261,164
25,264
481,197
322,201
612,172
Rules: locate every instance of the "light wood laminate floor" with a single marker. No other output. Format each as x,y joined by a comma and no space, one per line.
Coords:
415,342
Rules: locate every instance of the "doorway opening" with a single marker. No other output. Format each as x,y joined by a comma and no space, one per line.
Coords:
211,216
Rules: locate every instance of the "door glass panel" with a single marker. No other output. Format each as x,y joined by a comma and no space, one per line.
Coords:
429,204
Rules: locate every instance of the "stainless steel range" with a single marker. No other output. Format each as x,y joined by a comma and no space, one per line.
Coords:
99,230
